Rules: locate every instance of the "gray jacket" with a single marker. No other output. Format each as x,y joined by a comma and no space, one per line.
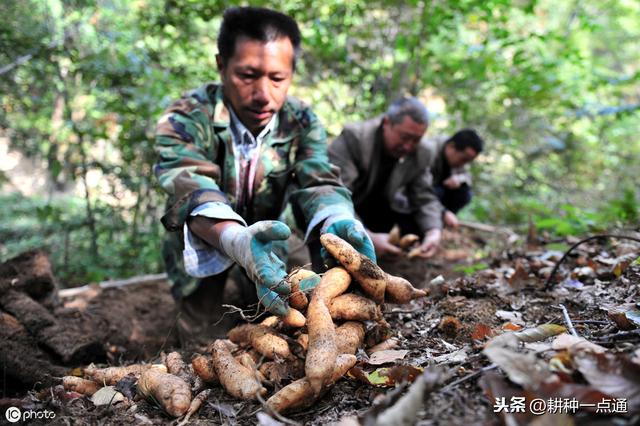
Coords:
357,152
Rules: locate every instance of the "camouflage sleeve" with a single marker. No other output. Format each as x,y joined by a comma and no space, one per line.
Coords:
185,172
421,194
320,193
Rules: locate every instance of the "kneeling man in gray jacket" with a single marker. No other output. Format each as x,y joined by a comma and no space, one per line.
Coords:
386,163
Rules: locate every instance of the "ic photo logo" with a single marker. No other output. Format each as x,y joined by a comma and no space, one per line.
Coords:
13,414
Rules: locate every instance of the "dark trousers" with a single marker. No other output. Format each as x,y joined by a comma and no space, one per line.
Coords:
382,218
454,199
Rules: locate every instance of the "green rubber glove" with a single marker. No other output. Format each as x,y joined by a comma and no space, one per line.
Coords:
352,231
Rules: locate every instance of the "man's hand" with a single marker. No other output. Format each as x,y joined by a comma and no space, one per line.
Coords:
353,232
382,245
450,219
452,182
430,244
250,247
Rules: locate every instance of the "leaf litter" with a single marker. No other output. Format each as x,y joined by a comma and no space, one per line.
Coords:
502,346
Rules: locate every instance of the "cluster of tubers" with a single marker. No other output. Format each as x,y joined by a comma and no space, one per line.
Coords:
409,243
306,351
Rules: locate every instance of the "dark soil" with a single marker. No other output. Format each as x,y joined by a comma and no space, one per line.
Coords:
447,329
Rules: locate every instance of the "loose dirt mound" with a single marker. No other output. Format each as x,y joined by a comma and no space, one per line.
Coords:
43,335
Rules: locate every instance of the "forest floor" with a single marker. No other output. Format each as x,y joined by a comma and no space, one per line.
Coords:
493,286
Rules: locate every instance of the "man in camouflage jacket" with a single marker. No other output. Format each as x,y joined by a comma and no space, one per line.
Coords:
231,156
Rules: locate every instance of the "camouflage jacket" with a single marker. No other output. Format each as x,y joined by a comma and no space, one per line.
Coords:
196,164
357,151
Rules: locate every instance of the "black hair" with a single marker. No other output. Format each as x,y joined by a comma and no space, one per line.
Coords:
408,106
467,138
257,23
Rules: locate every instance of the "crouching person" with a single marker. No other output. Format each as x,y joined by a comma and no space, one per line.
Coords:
231,155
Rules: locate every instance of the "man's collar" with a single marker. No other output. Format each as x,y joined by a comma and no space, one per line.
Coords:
222,113
237,125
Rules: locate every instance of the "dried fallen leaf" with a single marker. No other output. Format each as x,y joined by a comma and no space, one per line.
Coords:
620,267
519,279
585,394
524,369
575,343
391,343
226,410
385,356
456,357
512,316
633,315
497,388
621,320
561,363
405,411
386,376
540,332
481,332
107,395
266,420
626,315
528,335
583,273
509,326
611,374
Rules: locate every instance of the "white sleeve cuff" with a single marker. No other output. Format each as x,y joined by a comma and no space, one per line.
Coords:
334,212
217,210
200,259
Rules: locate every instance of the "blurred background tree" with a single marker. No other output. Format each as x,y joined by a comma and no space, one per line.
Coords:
554,87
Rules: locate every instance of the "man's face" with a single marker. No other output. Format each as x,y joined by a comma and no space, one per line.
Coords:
457,158
402,138
256,79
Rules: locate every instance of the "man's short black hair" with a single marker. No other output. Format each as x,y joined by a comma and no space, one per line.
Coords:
467,138
257,23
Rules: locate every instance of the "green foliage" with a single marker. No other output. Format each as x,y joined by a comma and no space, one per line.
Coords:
559,247
552,86
568,219
471,269
60,228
